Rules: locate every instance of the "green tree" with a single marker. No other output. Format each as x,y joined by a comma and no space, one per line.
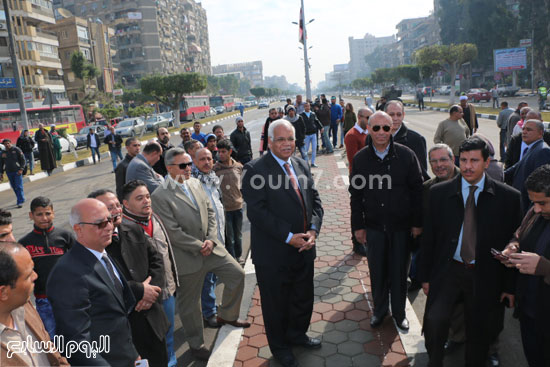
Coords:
359,84
110,112
135,95
258,92
78,62
409,72
229,84
244,87
534,15
212,85
169,89
140,111
446,58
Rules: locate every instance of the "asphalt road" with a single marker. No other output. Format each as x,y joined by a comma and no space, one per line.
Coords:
65,189
512,101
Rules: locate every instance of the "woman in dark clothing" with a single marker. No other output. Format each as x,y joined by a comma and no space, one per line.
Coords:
45,149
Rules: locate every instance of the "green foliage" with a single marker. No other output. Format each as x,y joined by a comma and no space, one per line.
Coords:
168,89
140,111
534,15
244,87
361,83
135,95
110,112
258,92
78,62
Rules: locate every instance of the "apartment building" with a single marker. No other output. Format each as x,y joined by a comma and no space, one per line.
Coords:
95,41
362,47
37,51
253,71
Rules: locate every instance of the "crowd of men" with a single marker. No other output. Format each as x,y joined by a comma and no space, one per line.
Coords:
478,235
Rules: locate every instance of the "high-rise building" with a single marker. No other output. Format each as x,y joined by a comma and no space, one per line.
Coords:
163,36
37,51
360,48
95,42
253,71
414,34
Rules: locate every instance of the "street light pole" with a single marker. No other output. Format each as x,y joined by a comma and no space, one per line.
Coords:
306,60
15,65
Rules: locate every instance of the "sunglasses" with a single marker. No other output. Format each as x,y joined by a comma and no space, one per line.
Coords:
183,165
100,225
376,128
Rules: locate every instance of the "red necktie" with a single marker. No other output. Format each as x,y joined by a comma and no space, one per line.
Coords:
296,188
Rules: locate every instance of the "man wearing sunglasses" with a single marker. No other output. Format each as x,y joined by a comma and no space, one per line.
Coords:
190,221
89,294
386,210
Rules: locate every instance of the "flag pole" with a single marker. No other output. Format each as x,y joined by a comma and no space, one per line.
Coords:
306,60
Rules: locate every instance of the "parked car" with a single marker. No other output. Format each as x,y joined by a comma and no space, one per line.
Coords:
427,91
212,112
263,104
478,94
81,136
219,109
130,127
444,90
507,90
169,116
248,104
155,122
237,105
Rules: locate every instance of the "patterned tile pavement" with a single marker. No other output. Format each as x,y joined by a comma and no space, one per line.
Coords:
343,302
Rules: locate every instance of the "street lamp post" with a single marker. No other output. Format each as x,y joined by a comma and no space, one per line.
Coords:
306,59
15,66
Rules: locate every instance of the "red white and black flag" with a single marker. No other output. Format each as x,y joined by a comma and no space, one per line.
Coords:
301,22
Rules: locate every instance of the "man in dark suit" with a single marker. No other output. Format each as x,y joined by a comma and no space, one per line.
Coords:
466,217
114,141
141,167
285,221
132,149
535,153
386,213
89,295
143,268
93,143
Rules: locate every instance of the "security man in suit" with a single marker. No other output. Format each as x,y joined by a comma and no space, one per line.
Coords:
285,222
89,295
190,222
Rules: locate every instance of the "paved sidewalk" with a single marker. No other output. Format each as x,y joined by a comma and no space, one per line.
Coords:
343,301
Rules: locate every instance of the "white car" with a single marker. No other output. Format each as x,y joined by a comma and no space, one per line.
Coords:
130,127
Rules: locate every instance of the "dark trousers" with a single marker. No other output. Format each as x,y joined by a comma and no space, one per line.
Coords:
421,104
532,338
388,258
502,145
146,342
233,232
334,132
286,294
458,285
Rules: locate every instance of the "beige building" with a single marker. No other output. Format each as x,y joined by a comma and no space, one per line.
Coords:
96,43
253,71
37,50
163,36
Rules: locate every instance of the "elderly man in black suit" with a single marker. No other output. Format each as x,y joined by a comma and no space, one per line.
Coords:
89,295
534,153
285,222
467,217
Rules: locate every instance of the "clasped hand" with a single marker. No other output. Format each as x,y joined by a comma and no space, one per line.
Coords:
303,241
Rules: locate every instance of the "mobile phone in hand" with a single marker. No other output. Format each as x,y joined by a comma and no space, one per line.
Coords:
498,254
142,363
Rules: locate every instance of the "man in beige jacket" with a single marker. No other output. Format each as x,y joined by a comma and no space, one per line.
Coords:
190,222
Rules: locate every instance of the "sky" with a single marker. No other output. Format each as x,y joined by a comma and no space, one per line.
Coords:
249,30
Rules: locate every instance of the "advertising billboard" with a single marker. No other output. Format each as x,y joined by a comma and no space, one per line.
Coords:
507,59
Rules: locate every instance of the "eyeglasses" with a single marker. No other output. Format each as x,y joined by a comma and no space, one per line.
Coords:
100,225
182,165
440,160
377,128
280,140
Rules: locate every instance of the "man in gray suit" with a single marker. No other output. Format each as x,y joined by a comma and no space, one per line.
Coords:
141,168
190,222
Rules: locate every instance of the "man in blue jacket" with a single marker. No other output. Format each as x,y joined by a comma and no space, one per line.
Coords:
335,118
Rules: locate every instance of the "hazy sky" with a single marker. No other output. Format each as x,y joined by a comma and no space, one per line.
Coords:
249,30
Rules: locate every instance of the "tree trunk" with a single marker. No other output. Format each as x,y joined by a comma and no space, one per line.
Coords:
452,71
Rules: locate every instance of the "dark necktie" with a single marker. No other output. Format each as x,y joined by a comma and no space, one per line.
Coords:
524,152
116,282
296,188
469,233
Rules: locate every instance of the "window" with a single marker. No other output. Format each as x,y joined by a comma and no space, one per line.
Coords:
3,41
87,53
82,32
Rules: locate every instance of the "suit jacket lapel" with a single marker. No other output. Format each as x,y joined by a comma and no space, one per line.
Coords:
100,270
300,173
286,185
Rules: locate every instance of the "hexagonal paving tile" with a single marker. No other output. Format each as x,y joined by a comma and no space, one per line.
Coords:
364,359
322,326
356,315
321,276
329,283
265,352
344,306
331,298
326,350
338,360
352,297
360,336
256,362
322,307
253,330
341,290
335,336
246,353
258,341
346,325
350,282
310,360
319,291
339,275
350,348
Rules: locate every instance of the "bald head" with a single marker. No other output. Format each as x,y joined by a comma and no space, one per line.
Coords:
379,116
203,160
92,223
533,115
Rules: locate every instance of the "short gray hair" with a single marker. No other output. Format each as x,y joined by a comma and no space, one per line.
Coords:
538,124
441,146
200,150
75,217
171,154
394,101
278,123
535,113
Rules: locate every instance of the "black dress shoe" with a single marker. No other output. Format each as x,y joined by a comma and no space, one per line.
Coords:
211,322
451,346
403,324
494,360
202,354
415,285
360,250
286,360
310,343
376,321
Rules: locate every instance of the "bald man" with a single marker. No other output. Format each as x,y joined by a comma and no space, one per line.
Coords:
89,295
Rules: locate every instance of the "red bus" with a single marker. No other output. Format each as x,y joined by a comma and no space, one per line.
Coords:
228,102
69,117
193,107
